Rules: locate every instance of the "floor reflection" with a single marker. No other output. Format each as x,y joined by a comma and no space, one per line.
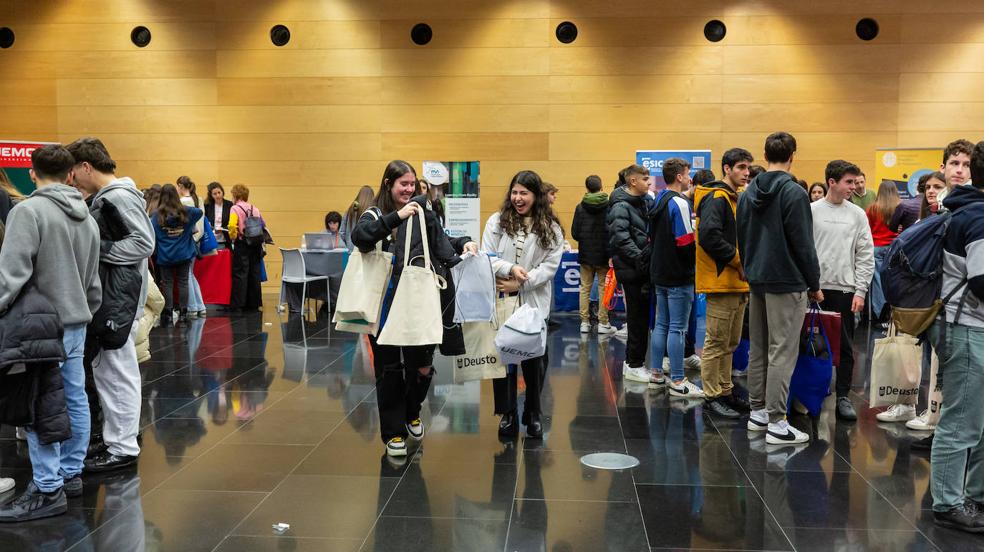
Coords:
258,419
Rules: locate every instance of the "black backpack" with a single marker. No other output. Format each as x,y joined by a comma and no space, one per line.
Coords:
252,228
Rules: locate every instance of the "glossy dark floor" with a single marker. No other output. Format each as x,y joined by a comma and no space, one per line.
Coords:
256,420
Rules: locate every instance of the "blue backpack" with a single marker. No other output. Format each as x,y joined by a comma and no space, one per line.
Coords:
912,274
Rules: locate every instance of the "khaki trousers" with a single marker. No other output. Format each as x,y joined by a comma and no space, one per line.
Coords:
725,314
588,274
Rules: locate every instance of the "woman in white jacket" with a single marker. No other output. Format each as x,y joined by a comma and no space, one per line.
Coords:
527,244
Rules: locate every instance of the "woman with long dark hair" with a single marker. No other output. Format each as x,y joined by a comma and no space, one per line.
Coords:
527,243
189,198
218,211
363,200
403,374
174,226
933,190
879,217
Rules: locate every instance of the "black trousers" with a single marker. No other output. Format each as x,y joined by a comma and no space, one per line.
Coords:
400,387
637,323
840,301
504,390
170,274
246,276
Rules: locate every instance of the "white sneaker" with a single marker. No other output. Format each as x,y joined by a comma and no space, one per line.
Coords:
640,374
623,332
604,329
921,422
396,447
781,433
666,365
416,429
585,327
656,380
758,420
897,413
686,389
692,362
6,484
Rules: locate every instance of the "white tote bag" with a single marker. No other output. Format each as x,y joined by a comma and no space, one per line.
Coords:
474,283
523,336
895,370
364,284
481,359
415,315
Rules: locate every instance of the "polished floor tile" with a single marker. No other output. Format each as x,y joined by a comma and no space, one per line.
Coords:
252,420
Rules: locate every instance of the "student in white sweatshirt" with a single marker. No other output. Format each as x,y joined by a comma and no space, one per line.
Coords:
847,263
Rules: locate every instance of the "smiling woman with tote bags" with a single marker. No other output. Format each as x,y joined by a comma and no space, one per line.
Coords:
527,244
403,352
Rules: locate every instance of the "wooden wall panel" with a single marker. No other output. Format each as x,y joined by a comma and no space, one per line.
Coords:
306,124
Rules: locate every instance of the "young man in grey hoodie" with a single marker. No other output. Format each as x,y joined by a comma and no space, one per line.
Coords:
116,372
52,241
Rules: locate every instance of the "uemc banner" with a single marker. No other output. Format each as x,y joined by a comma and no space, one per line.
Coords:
653,160
15,163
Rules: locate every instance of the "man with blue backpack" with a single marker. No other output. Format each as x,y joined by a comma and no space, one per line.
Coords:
958,448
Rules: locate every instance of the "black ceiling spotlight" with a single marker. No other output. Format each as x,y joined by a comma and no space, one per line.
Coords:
866,29
715,30
566,32
421,34
279,35
140,36
6,37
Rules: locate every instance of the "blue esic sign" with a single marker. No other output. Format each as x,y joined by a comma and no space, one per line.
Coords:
653,160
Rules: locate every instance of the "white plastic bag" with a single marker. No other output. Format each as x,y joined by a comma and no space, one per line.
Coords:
474,283
523,336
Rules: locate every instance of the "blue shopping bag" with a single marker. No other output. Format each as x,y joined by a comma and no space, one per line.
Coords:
739,359
814,369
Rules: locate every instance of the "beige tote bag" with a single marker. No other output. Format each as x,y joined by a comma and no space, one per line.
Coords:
364,283
415,315
895,370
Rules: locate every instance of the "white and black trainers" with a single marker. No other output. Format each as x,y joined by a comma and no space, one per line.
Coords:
692,362
585,327
686,389
758,420
396,447
640,374
416,429
781,433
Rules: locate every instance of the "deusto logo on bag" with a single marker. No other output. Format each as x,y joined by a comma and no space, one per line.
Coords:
468,362
890,391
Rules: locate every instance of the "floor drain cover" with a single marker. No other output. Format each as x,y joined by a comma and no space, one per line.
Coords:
609,461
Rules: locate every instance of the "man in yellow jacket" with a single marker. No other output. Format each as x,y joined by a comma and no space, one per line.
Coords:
720,276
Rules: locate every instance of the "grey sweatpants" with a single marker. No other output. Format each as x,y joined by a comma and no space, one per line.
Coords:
775,321
117,376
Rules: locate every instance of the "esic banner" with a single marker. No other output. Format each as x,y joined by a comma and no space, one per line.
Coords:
904,167
15,163
653,160
462,206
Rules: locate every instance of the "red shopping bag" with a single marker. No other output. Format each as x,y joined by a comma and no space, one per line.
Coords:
831,322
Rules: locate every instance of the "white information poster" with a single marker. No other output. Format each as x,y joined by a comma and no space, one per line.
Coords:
458,182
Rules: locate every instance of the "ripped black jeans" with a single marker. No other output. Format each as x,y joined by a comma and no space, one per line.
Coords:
400,387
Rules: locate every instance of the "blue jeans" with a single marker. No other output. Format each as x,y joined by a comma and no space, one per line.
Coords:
673,306
195,301
55,463
876,296
958,447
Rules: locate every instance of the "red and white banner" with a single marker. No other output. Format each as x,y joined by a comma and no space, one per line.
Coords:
17,154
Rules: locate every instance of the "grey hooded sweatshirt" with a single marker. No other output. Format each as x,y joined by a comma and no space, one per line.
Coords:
139,244
52,238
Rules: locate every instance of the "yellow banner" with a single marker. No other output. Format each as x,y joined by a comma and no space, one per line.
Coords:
904,167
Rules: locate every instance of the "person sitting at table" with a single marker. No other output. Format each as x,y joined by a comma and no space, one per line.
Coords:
224,221
333,223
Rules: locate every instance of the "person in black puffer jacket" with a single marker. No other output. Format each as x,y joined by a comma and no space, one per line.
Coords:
590,230
629,246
